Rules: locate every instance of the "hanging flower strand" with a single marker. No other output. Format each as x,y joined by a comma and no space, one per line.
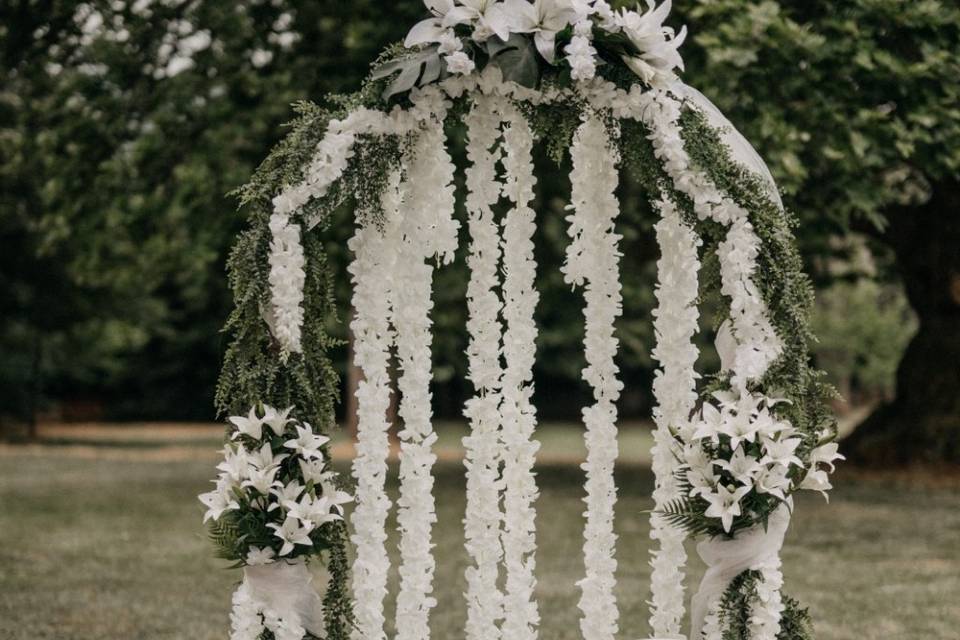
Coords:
517,413
373,338
483,517
593,262
674,387
424,229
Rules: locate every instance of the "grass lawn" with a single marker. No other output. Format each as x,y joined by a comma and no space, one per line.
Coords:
105,543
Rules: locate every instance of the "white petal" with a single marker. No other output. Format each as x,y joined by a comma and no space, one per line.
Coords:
460,15
498,21
439,7
546,45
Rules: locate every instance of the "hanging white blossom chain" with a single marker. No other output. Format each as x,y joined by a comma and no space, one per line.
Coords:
517,413
674,387
425,227
287,278
593,261
482,447
373,338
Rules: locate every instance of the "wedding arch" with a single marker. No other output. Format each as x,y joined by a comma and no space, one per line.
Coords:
600,88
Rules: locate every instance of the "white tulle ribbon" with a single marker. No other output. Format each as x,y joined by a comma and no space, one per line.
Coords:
754,549
741,151
279,597
674,387
482,455
592,261
517,413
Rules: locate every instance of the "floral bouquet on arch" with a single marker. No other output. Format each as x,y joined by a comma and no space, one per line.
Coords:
269,513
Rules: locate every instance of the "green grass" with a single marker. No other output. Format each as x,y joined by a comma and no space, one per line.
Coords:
96,549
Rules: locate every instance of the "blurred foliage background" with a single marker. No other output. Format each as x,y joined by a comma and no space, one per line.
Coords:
125,124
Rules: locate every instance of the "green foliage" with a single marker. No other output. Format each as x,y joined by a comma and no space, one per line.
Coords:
735,605
785,287
850,103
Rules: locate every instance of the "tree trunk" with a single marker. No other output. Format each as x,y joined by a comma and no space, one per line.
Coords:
922,423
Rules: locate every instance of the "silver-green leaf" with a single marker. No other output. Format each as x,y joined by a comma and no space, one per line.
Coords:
416,69
517,59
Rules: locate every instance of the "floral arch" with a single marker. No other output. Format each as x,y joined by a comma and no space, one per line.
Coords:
729,452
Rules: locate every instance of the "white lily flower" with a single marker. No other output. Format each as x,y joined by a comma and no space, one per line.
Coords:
275,419
307,443
826,454
488,18
739,427
708,427
323,511
725,504
544,19
742,467
257,556
657,44
284,494
262,480
817,480
312,512
332,494
702,480
265,458
292,534
235,463
782,452
767,425
218,501
252,425
773,480
313,470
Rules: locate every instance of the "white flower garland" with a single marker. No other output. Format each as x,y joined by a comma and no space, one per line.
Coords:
767,607
482,447
754,347
333,154
373,338
593,260
287,277
674,387
517,413
757,343
424,228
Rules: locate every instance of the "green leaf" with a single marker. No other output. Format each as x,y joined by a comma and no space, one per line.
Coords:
516,58
413,70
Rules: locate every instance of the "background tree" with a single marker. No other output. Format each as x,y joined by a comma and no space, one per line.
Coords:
856,106
123,125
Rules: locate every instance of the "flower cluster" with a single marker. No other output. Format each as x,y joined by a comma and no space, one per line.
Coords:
274,492
578,28
737,452
592,261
